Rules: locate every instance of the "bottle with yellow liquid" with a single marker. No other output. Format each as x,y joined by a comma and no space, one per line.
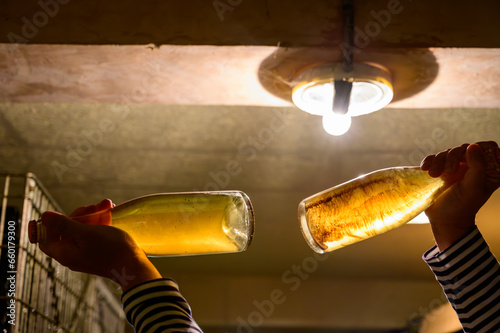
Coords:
372,204
175,224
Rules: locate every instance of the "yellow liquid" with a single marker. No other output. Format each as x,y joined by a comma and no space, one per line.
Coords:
187,223
366,206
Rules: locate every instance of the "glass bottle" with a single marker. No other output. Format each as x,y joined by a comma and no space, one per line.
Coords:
371,205
173,224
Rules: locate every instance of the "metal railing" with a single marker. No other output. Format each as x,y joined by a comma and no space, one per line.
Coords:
37,294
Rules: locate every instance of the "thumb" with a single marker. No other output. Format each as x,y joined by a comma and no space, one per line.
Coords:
475,157
474,179
61,237
59,226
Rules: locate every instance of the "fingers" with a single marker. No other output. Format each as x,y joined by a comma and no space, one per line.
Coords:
427,162
438,164
447,161
475,157
98,214
105,204
468,163
483,175
84,210
474,179
454,157
91,209
487,144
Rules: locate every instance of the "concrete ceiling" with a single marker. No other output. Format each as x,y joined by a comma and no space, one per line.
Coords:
124,99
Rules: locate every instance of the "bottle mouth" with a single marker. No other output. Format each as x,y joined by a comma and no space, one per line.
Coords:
306,232
37,232
239,224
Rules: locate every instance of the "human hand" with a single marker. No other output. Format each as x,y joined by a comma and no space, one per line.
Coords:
470,185
96,249
98,214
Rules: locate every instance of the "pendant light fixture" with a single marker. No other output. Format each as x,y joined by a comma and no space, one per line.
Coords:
329,91
340,91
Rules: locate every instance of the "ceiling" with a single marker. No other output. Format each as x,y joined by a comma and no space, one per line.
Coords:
122,99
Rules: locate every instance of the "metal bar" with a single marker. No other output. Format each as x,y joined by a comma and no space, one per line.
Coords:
4,207
50,297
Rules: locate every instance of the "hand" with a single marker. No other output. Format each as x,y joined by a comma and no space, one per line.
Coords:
463,169
96,249
98,214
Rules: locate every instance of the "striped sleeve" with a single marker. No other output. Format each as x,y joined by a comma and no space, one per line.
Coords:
470,277
158,306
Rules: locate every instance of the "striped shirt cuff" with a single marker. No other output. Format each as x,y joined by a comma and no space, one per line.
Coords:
158,306
470,277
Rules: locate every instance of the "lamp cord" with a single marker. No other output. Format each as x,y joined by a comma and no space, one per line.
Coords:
343,87
348,33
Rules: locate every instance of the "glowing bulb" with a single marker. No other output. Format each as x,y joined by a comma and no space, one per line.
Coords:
336,124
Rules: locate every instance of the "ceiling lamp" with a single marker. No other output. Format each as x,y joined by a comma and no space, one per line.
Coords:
339,91
337,94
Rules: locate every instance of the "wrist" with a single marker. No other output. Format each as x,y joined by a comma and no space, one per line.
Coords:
139,277
448,233
135,271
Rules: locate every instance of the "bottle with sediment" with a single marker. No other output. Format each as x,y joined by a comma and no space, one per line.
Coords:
174,224
372,204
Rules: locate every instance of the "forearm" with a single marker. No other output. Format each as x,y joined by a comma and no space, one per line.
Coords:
157,305
470,277
447,234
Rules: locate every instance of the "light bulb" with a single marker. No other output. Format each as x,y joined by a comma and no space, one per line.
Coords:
336,124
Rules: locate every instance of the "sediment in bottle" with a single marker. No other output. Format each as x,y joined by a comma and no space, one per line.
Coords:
368,206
